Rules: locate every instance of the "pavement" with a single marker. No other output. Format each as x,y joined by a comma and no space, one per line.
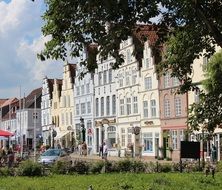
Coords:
114,158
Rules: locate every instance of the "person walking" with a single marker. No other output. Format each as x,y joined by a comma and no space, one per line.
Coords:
105,151
10,158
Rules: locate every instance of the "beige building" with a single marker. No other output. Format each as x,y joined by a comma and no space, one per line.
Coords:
193,97
63,107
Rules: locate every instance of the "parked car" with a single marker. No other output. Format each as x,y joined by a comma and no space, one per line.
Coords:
52,155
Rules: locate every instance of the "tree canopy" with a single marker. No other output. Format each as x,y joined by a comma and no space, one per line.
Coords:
185,27
207,113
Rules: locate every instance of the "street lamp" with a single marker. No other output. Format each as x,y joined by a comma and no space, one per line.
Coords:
82,125
54,134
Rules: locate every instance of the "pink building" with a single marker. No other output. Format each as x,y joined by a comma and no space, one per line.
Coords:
173,116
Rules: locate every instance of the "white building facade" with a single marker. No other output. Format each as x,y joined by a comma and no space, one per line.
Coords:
46,104
105,106
83,98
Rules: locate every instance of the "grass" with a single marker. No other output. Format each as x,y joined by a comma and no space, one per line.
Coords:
167,181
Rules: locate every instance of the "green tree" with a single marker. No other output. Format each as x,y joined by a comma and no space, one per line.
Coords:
186,27
207,113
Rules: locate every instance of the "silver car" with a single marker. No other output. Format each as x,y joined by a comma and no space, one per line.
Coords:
52,155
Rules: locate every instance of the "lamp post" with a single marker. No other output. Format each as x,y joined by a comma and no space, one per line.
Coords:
82,125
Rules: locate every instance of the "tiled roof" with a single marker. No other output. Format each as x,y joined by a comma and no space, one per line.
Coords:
2,101
30,99
9,101
148,32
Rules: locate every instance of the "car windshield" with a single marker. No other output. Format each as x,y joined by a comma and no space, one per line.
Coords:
52,152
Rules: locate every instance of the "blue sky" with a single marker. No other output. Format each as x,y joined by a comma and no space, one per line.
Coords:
20,41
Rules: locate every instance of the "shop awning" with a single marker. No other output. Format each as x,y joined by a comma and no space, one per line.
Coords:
61,134
5,133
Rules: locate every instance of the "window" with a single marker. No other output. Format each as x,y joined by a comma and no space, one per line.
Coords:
82,89
100,78
123,137
83,108
110,75
107,105
120,82
197,96
128,56
55,105
111,136
205,62
104,77
64,101
178,106
148,142
174,139
134,76
129,138
70,118
147,63
167,108
77,91
128,106
148,83
87,88
166,80
97,106
145,109
114,104
102,106
135,104
153,108
63,119
176,81
121,106
127,78
77,109
67,119
88,107
68,101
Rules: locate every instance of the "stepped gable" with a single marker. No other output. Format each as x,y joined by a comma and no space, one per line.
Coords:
30,99
50,82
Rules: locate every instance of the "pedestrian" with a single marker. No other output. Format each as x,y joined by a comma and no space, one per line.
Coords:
80,149
84,149
10,158
101,150
105,151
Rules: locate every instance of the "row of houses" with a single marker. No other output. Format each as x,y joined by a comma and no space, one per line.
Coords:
130,108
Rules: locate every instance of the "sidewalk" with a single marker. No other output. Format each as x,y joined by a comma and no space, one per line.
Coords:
114,158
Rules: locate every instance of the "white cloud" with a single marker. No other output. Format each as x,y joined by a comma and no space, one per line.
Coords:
20,41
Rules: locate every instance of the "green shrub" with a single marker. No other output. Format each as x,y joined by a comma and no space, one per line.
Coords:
4,172
219,166
151,167
124,165
138,166
165,168
60,167
30,168
80,167
96,167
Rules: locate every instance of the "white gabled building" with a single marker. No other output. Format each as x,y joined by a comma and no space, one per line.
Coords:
105,105
83,98
149,104
46,104
128,99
